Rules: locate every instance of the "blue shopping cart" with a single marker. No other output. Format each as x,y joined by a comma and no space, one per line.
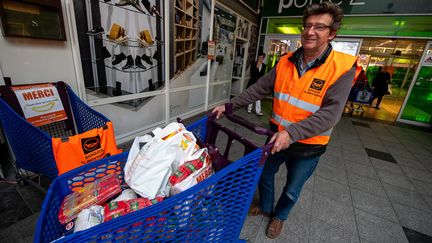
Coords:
212,210
32,146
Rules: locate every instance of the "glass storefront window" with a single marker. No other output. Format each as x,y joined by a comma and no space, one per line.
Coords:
419,105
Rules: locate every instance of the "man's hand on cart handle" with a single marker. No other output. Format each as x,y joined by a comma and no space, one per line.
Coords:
219,110
282,140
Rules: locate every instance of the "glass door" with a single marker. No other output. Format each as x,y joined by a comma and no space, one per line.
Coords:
417,108
347,45
277,46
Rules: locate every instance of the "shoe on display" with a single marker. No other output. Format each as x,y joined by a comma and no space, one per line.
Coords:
137,6
138,62
179,3
133,3
147,59
118,58
122,3
151,86
129,63
156,55
95,31
147,6
117,91
105,54
155,10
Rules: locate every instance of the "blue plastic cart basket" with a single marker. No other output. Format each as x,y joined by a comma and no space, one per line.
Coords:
32,146
213,210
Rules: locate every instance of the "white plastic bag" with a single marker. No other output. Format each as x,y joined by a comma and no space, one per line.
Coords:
89,217
148,172
127,194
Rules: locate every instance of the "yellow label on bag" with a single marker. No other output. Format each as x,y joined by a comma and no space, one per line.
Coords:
186,141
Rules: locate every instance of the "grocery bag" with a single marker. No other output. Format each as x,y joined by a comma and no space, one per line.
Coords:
148,171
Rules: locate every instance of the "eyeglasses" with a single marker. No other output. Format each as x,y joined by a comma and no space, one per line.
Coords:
317,27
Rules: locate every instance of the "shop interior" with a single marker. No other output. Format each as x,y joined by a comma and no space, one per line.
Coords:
400,56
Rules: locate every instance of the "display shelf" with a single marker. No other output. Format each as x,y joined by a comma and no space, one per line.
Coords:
130,21
186,21
128,42
132,69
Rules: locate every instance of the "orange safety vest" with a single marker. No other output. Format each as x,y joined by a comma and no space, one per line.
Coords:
80,149
296,98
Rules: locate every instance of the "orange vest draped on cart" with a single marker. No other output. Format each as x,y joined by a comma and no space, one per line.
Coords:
78,150
296,98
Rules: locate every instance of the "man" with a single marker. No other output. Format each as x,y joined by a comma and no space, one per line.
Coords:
257,70
380,85
310,89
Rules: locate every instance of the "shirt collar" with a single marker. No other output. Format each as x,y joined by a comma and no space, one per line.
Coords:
298,54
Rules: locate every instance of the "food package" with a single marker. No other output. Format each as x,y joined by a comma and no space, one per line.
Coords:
89,217
97,192
148,172
116,209
196,169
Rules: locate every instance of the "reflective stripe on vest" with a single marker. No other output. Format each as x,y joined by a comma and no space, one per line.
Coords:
296,102
286,124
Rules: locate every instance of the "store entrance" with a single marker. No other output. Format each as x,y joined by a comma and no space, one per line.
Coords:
277,46
401,58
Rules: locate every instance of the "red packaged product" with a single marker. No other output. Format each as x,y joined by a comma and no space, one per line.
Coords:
189,168
116,209
97,192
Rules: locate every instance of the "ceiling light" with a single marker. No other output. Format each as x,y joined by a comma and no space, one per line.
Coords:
288,30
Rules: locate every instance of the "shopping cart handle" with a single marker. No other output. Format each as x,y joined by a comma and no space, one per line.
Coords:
240,120
266,152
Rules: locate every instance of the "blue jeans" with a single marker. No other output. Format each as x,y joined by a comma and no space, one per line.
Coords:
298,171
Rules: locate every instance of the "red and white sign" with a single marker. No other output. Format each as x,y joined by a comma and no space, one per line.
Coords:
40,103
211,50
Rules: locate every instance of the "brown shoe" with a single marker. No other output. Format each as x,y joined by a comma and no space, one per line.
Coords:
255,211
274,228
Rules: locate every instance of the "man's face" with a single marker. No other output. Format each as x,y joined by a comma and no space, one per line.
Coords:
260,58
317,32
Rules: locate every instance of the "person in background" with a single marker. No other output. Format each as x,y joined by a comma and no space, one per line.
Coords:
257,70
361,83
310,88
380,85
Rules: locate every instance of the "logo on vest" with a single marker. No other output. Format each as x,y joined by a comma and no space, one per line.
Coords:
90,144
317,84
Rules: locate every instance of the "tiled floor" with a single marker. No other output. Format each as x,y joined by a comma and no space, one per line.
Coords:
374,184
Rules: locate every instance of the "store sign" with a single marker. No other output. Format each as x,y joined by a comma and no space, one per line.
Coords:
296,7
40,104
211,50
